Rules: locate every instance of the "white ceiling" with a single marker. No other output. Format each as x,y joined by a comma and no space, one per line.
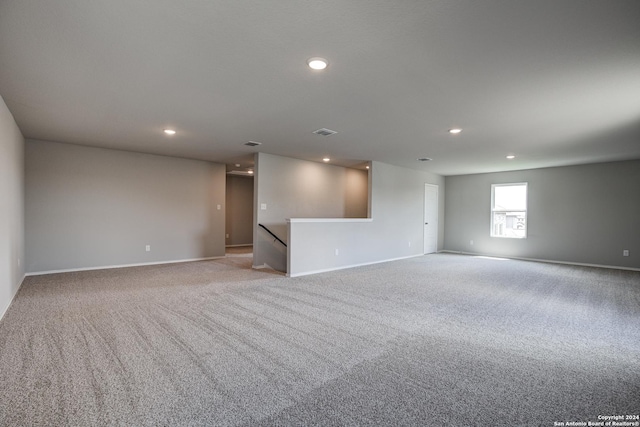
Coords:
553,82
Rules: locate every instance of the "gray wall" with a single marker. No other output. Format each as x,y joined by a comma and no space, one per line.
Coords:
239,224
11,208
397,202
356,193
301,189
581,214
395,230
91,207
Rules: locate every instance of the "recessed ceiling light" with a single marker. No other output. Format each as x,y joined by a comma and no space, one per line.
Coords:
170,131
455,131
326,159
250,171
511,156
317,63
366,167
237,165
424,159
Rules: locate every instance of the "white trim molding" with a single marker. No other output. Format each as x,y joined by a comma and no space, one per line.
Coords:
550,261
329,220
106,267
344,267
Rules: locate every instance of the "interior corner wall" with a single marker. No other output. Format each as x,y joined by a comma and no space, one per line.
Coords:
303,189
397,204
356,193
11,208
239,214
585,214
293,188
90,207
394,231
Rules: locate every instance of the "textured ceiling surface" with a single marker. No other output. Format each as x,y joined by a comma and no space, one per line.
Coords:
552,82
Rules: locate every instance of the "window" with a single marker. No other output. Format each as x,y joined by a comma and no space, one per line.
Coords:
509,210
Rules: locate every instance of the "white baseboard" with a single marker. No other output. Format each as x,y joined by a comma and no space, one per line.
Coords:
344,267
13,298
105,267
242,245
550,261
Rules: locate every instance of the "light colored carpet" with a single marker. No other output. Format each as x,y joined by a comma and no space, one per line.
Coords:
242,251
436,340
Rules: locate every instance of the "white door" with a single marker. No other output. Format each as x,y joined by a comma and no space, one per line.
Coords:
430,218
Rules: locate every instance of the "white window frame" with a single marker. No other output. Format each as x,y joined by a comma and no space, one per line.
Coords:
493,210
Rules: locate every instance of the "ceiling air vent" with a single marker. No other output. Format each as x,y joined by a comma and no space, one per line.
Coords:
252,143
325,132
424,159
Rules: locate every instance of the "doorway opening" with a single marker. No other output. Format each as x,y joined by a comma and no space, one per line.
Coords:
239,215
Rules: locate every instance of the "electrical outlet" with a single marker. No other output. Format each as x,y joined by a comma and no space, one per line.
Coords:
625,252
18,262
337,252
263,206
471,242
219,207
409,243
227,235
147,248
